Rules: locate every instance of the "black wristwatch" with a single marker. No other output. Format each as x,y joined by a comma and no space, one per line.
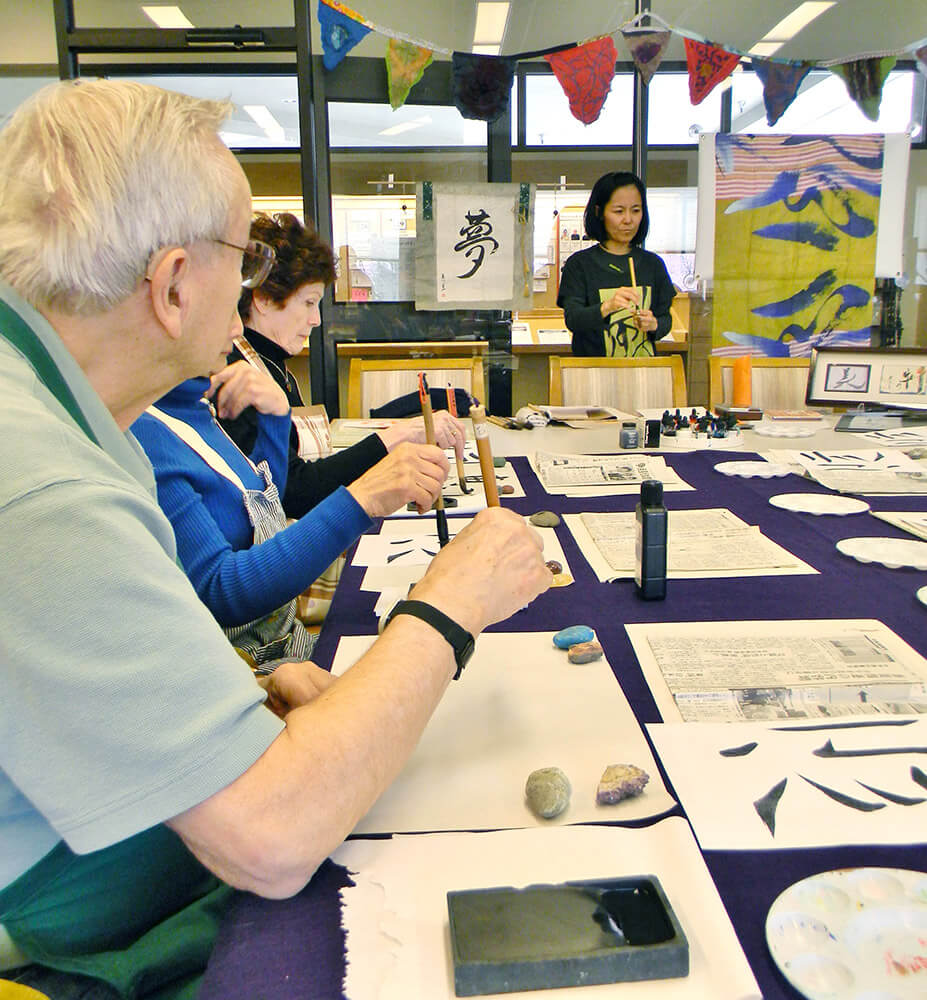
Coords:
460,639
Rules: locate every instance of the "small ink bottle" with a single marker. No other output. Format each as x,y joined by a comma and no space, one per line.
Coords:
650,546
628,437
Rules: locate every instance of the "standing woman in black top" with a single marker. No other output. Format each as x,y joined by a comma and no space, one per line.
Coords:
606,315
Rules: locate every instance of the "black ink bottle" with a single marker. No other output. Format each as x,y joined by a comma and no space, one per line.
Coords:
650,548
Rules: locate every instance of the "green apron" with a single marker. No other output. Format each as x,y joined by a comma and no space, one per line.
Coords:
141,915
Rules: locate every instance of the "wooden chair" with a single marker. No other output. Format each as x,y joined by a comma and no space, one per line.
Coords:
628,384
372,383
776,383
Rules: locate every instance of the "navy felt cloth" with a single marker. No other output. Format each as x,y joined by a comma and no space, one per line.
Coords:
283,949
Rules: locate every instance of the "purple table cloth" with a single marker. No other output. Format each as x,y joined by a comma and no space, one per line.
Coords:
282,949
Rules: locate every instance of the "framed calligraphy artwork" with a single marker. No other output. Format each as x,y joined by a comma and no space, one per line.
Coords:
871,377
474,246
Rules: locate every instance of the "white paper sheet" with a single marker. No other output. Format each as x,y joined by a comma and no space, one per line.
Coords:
470,503
398,942
804,815
769,670
912,521
398,555
703,544
519,706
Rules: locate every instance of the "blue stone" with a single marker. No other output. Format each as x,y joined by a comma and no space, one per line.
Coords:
573,634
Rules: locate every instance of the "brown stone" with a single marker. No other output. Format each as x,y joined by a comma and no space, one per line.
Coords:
584,652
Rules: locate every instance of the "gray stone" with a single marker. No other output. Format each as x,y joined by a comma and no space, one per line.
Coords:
620,781
545,519
548,792
584,652
499,461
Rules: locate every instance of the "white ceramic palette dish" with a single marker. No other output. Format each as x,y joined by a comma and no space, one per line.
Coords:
895,553
750,470
853,934
785,429
818,503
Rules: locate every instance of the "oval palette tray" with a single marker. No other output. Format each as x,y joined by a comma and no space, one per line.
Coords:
853,933
750,470
895,553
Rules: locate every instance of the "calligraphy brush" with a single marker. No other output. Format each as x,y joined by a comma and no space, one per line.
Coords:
425,397
452,409
481,433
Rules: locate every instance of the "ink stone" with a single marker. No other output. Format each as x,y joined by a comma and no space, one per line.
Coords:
548,792
573,634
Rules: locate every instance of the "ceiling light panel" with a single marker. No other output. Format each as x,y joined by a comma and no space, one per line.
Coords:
490,22
799,19
166,17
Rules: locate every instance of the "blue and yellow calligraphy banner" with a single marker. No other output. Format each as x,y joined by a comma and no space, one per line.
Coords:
795,237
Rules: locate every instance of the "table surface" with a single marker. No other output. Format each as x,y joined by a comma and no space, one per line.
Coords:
288,948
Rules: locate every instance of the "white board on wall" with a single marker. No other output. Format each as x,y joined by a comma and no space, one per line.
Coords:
890,236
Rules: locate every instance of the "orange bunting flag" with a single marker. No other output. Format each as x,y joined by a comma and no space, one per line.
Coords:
405,64
708,66
586,73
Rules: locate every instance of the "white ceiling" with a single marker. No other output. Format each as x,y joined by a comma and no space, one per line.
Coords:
849,28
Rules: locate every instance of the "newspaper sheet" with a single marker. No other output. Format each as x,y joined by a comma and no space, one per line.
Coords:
701,543
591,475
762,670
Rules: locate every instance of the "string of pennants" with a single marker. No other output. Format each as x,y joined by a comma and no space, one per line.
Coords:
482,83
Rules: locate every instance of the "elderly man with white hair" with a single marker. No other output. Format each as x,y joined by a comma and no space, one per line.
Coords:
141,773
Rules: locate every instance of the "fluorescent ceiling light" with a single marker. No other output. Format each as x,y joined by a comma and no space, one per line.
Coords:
765,49
490,22
800,18
167,17
272,128
405,126
486,50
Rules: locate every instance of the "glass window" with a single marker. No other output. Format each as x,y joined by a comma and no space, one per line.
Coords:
15,89
370,125
266,113
200,13
824,107
672,119
374,191
549,121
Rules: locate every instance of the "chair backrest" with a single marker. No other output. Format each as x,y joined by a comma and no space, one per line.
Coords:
626,383
372,383
776,383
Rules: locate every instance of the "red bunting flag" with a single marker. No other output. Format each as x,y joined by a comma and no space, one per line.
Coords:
708,66
586,73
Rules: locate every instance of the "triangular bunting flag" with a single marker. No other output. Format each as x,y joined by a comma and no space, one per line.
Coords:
864,79
405,64
708,66
586,73
780,84
341,30
921,56
646,48
482,84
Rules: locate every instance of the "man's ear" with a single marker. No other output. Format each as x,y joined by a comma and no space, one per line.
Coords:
167,279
